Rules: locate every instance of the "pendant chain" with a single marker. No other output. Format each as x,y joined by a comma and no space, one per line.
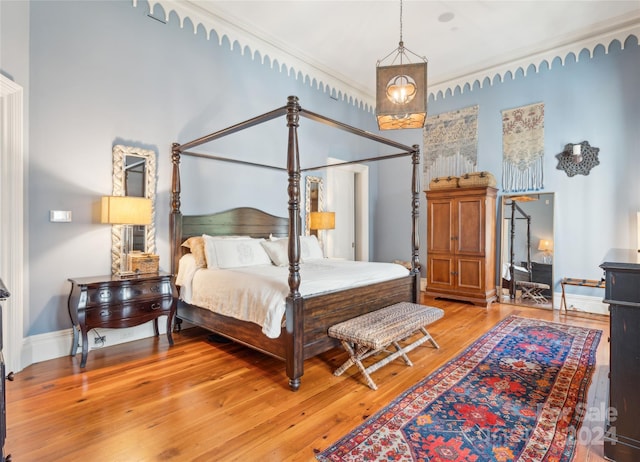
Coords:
401,44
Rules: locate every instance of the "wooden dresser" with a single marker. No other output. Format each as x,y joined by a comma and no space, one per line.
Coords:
112,301
622,293
461,235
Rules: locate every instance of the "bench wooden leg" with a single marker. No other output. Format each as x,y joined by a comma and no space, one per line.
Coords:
407,361
355,357
358,353
427,334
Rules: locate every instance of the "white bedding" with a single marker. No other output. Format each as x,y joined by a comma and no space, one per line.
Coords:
258,293
506,274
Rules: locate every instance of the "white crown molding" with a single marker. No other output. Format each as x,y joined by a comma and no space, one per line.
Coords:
303,66
293,62
604,38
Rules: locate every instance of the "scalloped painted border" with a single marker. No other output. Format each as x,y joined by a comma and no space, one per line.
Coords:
305,68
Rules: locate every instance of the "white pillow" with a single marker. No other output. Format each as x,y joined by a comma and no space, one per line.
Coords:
235,253
278,251
210,250
310,248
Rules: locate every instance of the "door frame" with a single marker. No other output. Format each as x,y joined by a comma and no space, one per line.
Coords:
361,205
12,230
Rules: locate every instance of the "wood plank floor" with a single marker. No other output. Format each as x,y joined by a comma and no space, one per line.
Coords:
199,401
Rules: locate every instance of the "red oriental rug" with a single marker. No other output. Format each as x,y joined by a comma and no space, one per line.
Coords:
516,394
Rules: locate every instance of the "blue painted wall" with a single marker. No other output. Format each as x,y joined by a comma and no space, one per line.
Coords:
589,98
102,73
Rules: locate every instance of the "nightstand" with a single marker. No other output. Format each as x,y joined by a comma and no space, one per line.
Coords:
113,301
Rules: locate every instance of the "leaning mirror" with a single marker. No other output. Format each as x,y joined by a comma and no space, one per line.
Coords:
526,270
314,197
134,174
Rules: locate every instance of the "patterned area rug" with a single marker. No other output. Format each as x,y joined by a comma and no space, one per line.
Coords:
516,394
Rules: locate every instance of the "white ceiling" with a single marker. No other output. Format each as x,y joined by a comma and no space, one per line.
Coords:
339,42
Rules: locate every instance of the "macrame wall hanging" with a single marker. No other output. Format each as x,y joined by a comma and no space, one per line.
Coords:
450,144
523,148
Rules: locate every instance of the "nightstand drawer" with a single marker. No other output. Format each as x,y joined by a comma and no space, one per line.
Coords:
136,290
127,314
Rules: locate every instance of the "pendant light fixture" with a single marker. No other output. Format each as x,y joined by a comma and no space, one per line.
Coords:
401,89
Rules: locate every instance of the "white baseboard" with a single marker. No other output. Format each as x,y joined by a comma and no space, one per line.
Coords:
43,347
582,303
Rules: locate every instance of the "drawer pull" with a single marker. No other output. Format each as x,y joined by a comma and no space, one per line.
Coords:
104,313
104,294
155,306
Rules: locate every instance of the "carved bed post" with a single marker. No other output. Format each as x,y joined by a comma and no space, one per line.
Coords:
512,254
175,217
294,311
415,214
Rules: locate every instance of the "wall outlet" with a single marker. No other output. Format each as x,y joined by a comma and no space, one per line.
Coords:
100,340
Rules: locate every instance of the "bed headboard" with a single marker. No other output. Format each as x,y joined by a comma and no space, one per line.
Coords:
241,221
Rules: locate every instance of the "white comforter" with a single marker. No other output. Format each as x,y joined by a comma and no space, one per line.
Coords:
258,293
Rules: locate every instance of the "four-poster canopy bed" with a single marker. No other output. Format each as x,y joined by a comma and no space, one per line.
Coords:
514,272
307,317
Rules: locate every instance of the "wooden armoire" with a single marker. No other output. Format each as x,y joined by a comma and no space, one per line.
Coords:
461,244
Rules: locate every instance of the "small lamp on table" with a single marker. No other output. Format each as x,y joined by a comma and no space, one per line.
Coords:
127,211
322,221
546,246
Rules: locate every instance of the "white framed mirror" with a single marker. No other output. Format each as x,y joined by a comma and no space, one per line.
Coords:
526,249
134,174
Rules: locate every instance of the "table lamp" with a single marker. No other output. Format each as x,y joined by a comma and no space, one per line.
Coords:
129,212
546,246
321,221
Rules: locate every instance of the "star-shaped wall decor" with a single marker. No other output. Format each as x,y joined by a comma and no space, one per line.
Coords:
572,166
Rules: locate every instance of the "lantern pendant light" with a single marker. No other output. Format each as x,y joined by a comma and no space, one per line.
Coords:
401,89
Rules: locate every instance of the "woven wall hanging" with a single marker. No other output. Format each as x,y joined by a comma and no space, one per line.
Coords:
450,144
523,148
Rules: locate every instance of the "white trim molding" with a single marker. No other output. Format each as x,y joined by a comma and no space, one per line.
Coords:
298,64
12,241
581,304
303,66
574,48
52,345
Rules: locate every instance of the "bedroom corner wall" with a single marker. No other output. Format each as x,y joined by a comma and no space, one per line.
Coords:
586,98
148,84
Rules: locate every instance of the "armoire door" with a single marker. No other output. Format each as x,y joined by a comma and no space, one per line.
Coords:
469,234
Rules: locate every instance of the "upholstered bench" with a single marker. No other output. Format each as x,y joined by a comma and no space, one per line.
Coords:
532,290
373,332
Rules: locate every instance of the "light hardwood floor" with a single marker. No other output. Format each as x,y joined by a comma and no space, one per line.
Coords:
199,401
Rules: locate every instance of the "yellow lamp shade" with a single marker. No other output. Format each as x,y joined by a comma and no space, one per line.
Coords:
545,245
322,220
126,210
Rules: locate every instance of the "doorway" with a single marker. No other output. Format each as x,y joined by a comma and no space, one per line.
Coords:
348,195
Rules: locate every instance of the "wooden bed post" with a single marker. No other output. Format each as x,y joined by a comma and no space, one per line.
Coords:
415,214
175,217
294,310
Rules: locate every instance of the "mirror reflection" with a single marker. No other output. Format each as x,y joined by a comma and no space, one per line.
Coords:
134,174
526,270
314,197
135,185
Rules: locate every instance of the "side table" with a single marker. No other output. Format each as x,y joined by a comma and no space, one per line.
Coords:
116,302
